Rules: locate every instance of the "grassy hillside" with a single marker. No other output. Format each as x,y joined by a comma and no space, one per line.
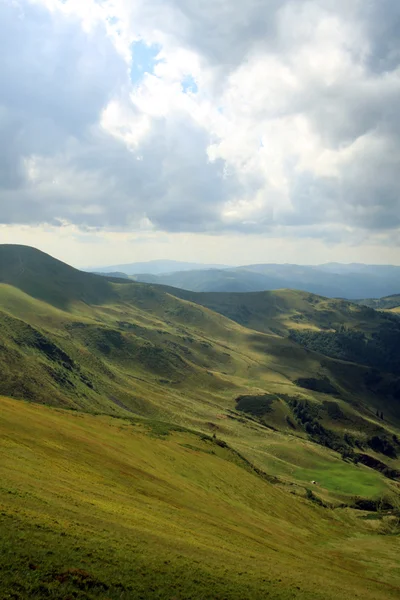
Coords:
282,310
143,351
387,303
45,278
94,507
255,418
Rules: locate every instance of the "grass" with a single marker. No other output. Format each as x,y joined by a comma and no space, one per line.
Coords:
95,507
120,489
299,461
282,310
153,355
45,278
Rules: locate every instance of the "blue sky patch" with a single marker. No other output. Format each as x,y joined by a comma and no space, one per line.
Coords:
144,59
113,20
189,85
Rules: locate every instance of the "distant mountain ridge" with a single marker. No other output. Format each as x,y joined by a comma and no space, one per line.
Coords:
367,282
333,280
154,267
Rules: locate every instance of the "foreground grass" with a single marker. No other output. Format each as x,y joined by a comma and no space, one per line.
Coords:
96,507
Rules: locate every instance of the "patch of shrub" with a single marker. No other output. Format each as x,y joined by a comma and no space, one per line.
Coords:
390,388
334,411
378,465
371,505
32,338
258,406
314,498
381,350
382,445
221,443
307,415
372,378
316,385
290,422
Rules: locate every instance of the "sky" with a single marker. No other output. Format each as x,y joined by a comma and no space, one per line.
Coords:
214,131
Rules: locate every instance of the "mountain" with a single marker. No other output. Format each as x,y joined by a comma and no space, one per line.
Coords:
91,343
334,281
157,441
214,280
48,279
373,270
154,267
279,311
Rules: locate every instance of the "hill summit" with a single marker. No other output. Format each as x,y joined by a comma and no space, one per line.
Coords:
43,277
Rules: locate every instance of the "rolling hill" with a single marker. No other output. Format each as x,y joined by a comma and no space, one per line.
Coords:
45,278
134,415
387,303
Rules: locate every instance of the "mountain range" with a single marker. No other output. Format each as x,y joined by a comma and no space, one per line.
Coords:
155,267
158,442
334,280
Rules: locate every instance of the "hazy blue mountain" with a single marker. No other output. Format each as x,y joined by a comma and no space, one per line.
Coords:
353,282
381,271
214,280
154,267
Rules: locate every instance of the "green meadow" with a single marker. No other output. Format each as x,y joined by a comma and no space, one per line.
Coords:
99,507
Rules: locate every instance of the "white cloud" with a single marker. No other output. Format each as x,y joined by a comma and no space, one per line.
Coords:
293,128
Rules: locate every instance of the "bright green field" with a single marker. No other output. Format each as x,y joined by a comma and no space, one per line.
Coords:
301,461
95,507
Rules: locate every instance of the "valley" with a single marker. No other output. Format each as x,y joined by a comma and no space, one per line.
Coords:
177,435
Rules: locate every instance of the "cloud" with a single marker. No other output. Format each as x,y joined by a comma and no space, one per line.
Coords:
260,117
54,82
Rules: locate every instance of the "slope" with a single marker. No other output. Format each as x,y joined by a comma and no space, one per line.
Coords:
386,303
334,328
280,311
46,278
94,507
145,352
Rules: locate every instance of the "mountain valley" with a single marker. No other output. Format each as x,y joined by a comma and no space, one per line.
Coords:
150,432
